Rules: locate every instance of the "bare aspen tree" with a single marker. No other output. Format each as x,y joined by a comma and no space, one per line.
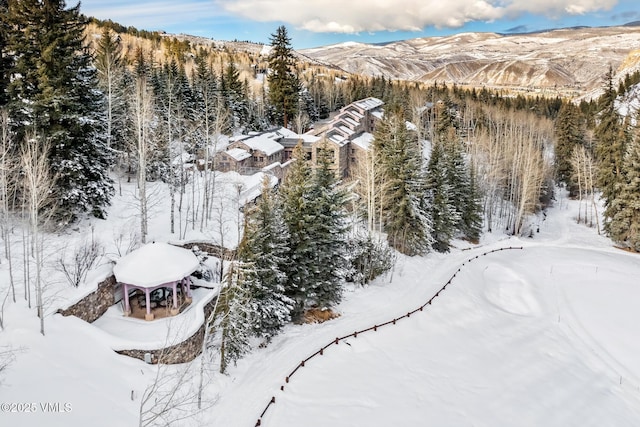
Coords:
109,65
208,110
7,172
584,175
171,108
209,326
214,128
142,116
509,152
300,121
221,121
171,397
591,173
38,186
4,301
367,174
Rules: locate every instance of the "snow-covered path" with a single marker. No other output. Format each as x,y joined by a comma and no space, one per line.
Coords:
489,351
543,336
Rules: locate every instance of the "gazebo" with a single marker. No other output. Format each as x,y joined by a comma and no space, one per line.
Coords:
156,266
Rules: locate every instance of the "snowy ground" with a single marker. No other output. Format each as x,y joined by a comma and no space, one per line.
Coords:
546,335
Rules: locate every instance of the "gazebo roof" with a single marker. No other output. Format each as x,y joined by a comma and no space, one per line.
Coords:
155,264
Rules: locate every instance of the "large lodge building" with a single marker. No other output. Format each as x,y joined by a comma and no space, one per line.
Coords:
347,135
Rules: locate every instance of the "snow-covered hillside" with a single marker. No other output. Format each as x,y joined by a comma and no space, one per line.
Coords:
546,335
569,61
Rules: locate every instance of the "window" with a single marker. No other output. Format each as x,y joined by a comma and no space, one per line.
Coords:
326,153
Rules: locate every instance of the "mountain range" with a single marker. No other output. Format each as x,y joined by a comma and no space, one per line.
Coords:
570,61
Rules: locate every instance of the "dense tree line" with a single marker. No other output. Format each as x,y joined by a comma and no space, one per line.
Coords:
596,151
292,257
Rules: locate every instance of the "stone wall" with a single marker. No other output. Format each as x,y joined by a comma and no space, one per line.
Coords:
182,352
94,305
211,249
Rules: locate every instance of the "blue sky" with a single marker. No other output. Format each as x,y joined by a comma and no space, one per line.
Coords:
321,22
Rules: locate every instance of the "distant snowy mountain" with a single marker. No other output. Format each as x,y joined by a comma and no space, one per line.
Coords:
566,61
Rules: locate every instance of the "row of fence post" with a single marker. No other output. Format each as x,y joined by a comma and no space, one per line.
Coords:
373,328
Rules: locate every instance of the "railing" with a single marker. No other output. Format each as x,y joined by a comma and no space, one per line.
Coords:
374,328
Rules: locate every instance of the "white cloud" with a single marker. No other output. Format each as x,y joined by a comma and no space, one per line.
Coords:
148,13
353,16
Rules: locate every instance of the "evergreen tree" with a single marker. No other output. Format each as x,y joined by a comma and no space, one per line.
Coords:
263,258
234,94
283,82
403,194
318,92
6,56
471,214
308,106
367,258
625,223
298,218
52,93
235,319
569,134
611,139
327,229
444,215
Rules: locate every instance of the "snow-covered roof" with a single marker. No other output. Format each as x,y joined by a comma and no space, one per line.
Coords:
238,154
308,138
286,133
265,142
346,130
350,121
335,137
364,140
351,112
369,103
155,264
379,114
